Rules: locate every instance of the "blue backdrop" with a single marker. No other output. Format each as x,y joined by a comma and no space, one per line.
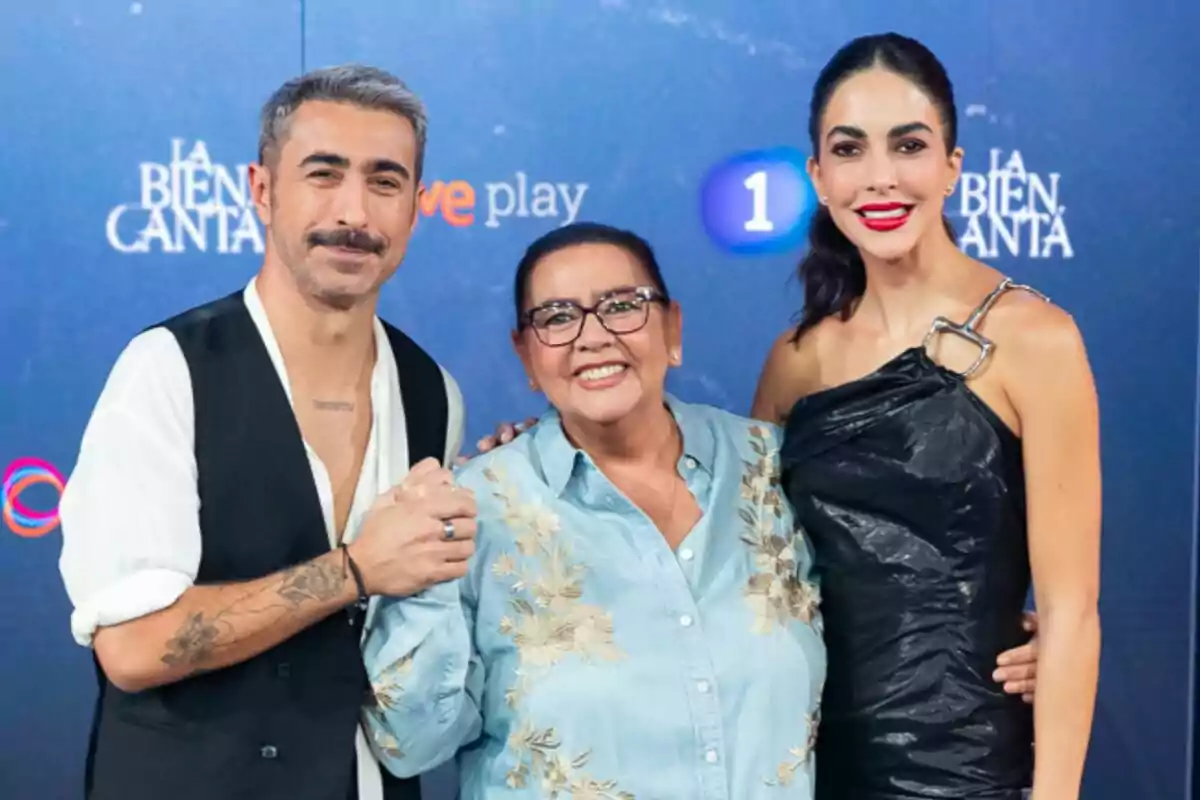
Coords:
125,128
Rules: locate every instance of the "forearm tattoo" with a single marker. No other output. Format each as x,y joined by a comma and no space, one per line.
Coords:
312,581
201,635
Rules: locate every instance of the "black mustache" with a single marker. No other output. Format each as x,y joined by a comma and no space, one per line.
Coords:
349,238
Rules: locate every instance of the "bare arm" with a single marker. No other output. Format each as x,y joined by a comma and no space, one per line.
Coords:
399,552
211,627
1050,383
789,369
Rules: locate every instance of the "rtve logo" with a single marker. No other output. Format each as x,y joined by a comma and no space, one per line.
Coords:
457,201
758,201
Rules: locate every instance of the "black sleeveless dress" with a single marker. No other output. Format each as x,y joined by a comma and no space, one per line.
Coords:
912,491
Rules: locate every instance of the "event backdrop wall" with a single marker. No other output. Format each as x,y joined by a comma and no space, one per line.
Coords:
126,128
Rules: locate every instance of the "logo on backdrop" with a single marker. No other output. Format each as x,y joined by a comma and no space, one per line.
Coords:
20,476
758,201
761,202
187,203
1010,211
192,203
457,202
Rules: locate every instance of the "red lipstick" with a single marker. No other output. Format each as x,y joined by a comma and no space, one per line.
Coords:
883,216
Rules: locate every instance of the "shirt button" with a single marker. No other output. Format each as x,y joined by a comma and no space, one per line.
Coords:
702,687
284,670
685,620
685,554
710,756
268,751
691,462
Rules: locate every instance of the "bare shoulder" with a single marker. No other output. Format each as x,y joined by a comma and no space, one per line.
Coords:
1030,325
790,372
1039,343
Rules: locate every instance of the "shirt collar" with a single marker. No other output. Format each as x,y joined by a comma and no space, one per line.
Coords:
558,457
385,392
382,374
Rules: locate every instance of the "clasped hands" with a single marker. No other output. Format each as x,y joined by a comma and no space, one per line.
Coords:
417,534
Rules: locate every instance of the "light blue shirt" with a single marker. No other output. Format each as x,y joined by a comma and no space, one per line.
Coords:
581,657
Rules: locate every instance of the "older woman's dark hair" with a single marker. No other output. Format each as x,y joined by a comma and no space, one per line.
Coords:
832,272
578,233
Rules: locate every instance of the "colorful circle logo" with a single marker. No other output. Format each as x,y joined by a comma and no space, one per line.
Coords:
20,475
759,201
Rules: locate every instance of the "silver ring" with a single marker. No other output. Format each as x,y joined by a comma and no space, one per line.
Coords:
448,528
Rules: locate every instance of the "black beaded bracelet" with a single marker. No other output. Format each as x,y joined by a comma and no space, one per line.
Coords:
363,600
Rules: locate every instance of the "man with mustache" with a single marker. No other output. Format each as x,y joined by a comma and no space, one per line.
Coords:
263,442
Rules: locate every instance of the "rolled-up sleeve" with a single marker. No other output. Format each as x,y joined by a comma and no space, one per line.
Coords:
129,512
426,679
455,419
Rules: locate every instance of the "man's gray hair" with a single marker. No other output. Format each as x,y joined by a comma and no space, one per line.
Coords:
368,87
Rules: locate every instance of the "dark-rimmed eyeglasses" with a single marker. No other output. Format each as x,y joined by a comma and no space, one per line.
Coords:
559,322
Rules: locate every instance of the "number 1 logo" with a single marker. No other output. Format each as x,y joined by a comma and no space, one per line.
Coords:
758,222
758,202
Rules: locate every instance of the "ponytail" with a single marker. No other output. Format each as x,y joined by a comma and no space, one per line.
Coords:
833,272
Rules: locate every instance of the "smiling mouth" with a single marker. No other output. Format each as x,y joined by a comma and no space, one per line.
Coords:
601,376
881,211
600,373
884,216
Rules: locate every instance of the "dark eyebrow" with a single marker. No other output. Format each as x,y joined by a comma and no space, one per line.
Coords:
387,165
846,130
341,162
906,129
895,133
329,159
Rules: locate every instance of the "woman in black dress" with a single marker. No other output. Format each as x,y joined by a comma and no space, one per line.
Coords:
941,449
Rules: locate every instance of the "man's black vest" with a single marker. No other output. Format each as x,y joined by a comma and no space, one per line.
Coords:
280,726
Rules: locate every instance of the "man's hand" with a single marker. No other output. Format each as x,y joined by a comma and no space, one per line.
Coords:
400,551
403,548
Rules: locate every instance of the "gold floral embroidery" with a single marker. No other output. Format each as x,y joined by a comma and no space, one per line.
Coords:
785,773
775,591
760,481
549,622
538,753
385,694
387,688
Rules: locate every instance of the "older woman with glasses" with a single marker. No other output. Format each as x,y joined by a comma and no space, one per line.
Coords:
638,618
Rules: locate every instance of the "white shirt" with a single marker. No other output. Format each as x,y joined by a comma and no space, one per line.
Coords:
130,511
